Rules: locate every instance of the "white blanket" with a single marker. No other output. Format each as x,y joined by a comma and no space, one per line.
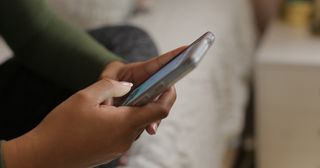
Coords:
208,115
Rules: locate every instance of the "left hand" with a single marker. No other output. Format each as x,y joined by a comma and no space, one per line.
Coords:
138,72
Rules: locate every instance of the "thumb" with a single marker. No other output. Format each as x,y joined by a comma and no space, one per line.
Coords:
107,88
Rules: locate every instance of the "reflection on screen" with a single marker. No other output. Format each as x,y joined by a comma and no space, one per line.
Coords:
157,77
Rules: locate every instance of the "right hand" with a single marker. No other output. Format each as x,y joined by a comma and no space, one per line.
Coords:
83,132
138,72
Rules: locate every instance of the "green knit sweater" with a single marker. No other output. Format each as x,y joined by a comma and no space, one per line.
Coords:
49,46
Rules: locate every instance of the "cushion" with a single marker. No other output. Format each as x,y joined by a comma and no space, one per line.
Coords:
93,13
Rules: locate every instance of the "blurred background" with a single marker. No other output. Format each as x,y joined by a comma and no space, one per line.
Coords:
254,99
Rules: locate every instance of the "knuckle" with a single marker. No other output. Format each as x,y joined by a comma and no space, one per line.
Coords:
109,72
173,91
174,95
83,95
164,111
108,83
115,64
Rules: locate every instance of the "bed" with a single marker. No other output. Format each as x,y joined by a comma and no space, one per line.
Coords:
208,115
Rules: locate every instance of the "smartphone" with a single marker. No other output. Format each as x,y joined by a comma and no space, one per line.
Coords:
170,73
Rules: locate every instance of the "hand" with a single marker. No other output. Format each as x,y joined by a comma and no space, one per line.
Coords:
83,132
137,73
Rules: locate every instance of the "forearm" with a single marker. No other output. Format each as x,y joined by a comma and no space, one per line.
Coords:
49,46
66,55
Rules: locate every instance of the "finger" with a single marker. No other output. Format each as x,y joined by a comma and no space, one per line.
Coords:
108,102
112,70
124,159
139,133
153,127
168,98
152,112
155,64
106,88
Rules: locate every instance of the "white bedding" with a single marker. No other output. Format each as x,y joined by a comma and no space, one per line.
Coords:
209,112
208,115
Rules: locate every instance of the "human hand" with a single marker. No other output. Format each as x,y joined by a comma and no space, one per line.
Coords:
137,73
83,132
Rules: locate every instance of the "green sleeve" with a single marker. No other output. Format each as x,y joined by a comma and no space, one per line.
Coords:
49,46
2,165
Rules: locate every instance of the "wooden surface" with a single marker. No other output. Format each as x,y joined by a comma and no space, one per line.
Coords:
287,96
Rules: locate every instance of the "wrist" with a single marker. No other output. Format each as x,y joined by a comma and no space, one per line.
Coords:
21,152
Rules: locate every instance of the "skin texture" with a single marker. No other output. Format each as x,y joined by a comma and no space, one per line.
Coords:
85,130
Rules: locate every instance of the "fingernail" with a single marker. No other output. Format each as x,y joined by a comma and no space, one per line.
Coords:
126,83
124,160
154,127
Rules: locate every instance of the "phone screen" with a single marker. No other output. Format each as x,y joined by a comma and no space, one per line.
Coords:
197,50
158,76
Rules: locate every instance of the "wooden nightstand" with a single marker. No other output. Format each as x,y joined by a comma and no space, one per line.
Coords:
287,86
